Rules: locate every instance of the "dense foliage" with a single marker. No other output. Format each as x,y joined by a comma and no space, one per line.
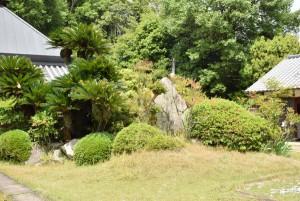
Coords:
15,146
219,122
214,41
134,138
116,53
92,149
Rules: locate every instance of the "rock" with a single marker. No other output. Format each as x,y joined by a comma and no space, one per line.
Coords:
36,156
67,148
57,155
172,107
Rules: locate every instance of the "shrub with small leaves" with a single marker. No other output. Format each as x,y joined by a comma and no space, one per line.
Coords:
219,122
15,146
93,148
134,138
162,142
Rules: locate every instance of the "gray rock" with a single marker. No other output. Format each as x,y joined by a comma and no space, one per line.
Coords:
172,107
57,155
67,148
36,155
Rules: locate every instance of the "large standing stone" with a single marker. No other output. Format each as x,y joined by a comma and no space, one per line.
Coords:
68,148
172,107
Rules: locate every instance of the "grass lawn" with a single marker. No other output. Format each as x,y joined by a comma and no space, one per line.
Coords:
3,197
195,173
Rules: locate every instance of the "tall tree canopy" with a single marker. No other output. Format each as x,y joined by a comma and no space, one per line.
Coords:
45,15
211,39
213,36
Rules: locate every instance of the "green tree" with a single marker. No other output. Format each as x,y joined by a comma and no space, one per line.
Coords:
59,102
104,96
149,40
84,39
44,15
266,53
212,36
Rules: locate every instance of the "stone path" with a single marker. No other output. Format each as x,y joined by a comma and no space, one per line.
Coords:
17,191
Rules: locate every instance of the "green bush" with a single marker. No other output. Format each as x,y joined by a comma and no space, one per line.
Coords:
93,148
134,138
15,146
220,122
161,142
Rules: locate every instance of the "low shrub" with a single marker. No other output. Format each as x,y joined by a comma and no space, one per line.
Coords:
135,137
92,149
162,142
15,146
219,122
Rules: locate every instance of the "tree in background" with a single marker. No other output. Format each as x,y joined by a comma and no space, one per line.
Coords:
149,41
212,37
44,15
266,53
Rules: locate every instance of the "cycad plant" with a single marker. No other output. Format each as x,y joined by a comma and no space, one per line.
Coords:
104,96
16,75
97,68
58,101
83,39
36,94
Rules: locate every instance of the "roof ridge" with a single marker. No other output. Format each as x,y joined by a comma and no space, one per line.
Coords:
26,23
292,56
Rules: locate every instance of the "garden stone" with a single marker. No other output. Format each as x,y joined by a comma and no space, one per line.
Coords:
68,148
172,107
57,155
36,155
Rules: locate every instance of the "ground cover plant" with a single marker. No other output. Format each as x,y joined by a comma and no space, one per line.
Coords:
195,173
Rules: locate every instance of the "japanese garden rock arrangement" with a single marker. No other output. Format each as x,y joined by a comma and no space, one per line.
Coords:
172,107
68,148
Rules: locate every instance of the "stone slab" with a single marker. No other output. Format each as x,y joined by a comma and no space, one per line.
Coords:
15,189
27,197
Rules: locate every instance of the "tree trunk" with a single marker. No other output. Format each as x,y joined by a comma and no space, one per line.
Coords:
67,125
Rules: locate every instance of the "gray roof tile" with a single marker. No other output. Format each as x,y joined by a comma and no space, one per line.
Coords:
17,37
52,72
287,73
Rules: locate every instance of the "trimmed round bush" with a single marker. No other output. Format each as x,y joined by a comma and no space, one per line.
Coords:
219,122
92,149
15,146
162,142
135,137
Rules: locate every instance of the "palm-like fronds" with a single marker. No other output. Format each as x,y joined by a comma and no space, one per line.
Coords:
98,68
16,75
105,98
36,94
84,39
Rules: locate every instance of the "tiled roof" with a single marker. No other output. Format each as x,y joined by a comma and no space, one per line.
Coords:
287,73
17,37
52,72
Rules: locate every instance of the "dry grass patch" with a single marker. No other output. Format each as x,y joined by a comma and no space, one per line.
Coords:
3,197
195,173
